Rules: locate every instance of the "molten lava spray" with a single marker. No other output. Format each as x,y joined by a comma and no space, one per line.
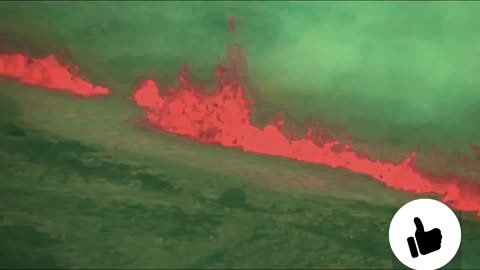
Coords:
48,73
223,117
231,24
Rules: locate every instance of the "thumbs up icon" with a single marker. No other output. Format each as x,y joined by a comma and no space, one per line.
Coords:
427,242
432,233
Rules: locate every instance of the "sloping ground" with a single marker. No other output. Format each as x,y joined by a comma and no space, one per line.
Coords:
70,204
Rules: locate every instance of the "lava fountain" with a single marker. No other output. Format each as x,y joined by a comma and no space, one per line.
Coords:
224,117
48,73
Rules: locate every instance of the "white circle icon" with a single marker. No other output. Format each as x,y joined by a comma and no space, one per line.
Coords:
425,234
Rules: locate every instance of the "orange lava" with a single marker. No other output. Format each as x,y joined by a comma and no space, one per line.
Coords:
47,72
223,117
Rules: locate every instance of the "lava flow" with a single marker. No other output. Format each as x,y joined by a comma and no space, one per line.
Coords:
47,72
223,117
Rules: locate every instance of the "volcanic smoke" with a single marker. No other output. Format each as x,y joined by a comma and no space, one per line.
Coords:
48,73
224,117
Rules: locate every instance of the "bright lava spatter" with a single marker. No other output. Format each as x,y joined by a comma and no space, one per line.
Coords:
47,72
223,117
231,24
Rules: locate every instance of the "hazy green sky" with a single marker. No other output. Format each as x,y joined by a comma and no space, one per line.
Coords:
387,64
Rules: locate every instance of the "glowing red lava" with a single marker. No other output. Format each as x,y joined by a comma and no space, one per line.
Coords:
47,72
231,24
223,117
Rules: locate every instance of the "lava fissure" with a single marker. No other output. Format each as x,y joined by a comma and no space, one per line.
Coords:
223,117
48,73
